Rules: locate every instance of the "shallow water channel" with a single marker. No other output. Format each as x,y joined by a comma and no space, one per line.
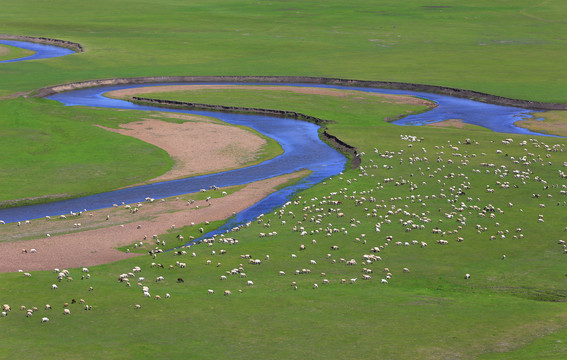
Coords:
302,150
42,51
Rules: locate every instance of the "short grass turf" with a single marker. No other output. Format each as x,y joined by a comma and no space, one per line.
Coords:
513,49
54,152
509,309
8,52
476,185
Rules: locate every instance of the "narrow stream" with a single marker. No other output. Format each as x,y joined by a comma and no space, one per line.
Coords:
302,148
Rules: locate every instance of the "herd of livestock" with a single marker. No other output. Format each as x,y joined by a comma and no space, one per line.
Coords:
447,194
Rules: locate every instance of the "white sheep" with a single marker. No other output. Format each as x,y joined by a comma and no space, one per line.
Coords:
44,319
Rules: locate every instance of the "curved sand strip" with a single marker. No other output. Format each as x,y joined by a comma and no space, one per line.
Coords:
301,90
198,145
98,246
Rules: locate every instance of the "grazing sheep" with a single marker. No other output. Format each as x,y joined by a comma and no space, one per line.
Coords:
53,286
66,312
180,280
47,307
137,306
467,276
250,283
157,297
167,295
44,319
210,291
227,292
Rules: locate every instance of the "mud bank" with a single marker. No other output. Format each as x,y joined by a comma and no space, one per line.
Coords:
460,93
42,40
328,138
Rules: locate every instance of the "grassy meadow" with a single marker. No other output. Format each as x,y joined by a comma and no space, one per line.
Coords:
513,49
486,204
54,152
10,52
508,306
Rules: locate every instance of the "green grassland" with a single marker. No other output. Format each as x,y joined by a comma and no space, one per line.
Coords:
11,52
514,49
53,152
509,306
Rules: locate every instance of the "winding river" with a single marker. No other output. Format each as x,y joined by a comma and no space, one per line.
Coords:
42,51
299,139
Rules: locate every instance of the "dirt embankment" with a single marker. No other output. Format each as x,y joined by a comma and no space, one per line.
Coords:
197,146
96,240
461,93
42,40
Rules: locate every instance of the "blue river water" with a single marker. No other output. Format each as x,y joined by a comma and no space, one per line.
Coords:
42,51
302,150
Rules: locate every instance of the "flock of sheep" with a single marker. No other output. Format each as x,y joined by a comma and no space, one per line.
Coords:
350,232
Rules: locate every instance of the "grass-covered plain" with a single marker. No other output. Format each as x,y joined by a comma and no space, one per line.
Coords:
8,52
54,152
549,122
512,308
442,180
512,49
